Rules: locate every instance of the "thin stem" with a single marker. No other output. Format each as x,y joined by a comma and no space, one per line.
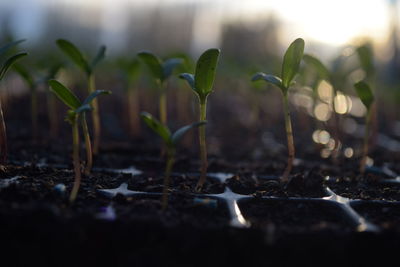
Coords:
88,145
203,145
76,160
363,161
3,138
167,178
34,113
52,113
95,117
163,106
290,142
133,112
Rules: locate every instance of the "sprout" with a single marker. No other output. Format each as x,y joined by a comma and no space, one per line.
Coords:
364,92
88,68
170,141
290,67
161,71
3,70
77,111
202,83
131,71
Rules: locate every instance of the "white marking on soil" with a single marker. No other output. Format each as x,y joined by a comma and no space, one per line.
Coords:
221,176
7,182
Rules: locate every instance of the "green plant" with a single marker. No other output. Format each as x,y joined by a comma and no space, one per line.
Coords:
290,67
161,71
366,95
170,140
32,85
3,70
88,68
202,83
77,111
131,72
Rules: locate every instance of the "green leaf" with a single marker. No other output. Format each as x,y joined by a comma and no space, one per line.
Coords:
169,65
74,54
7,46
157,127
364,92
177,136
51,74
64,94
205,71
365,56
291,61
189,78
24,73
9,62
99,57
270,79
95,94
153,63
314,62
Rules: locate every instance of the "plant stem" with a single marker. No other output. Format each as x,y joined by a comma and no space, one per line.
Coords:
290,142
76,160
34,113
203,145
89,156
163,106
133,112
52,113
3,138
363,161
168,170
95,116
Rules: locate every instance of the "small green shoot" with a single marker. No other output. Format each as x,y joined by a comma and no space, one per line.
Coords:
161,71
3,70
290,67
202,84
170,140
88,68
366,95
77,111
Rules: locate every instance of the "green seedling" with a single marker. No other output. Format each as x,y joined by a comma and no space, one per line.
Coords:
290,67
171,140
202,83
32,85
88,68
324,74
131,71
3,70
77,111
366,95
161,71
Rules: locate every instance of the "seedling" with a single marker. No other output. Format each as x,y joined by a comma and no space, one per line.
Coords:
170,140
88,68
202,83
32,84
3,70
161,71
324,74
290,67
364,92
77,111
131,71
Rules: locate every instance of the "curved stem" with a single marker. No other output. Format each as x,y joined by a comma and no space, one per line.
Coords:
88,145
167,178
95,116
290,142
3,138
163,106
76,160
363,161
203,145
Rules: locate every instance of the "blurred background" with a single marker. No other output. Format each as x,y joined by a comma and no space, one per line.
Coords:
252,35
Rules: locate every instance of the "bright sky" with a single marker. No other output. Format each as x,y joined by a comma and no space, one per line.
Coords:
334,22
